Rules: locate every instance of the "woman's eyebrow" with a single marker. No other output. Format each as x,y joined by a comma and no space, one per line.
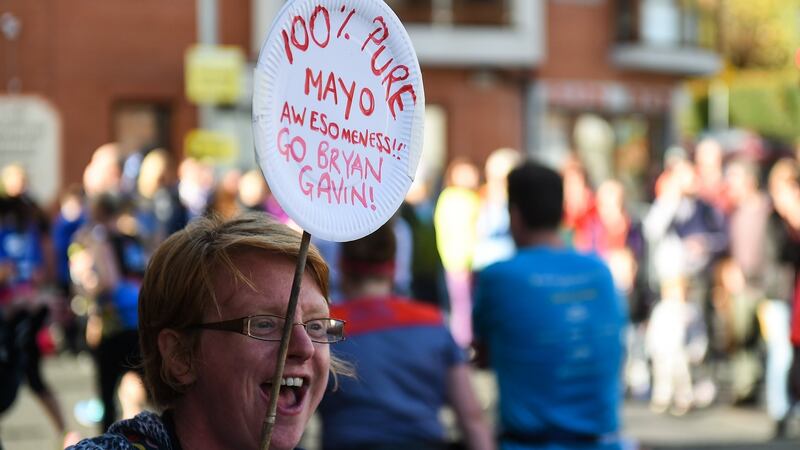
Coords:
310,313
317,311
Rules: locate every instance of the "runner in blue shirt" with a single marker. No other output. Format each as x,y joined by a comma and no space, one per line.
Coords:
552,324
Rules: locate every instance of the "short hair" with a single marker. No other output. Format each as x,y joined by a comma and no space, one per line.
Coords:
371,256
538,193
178,286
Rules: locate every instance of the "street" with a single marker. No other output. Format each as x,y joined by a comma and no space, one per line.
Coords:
24,426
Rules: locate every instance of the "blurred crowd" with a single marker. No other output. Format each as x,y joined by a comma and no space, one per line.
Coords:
708,268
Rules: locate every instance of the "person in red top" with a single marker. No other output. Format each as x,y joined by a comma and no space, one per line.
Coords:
407,364
783,285
580,211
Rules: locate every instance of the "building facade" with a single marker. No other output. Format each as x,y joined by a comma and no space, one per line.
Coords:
597,77
111,70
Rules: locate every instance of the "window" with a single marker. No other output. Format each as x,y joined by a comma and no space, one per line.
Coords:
463,32
141,125
413,11
453,12
608,145
666,23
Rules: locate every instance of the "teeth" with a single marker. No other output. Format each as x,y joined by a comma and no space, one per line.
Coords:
292,381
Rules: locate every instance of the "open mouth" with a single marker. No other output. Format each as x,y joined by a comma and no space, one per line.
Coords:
292,393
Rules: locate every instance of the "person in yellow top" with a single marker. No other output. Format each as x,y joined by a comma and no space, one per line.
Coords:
455,218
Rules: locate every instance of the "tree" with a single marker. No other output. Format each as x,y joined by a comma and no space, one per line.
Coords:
758,34
757,39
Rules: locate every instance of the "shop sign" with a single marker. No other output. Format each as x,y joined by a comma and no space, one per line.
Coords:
214,74
214,146
30,135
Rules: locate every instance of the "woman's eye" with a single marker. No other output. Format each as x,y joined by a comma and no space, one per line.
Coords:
315,326
265,324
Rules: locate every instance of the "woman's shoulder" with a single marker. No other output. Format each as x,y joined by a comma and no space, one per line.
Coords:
107,441
146,431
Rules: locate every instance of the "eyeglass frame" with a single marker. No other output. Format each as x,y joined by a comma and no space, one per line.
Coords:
242,326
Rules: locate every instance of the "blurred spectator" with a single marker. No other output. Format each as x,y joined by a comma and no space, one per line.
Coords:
427,272
254,195
253,191
676,338
132,162
749,214
617,238
275,210
750,209
107,261
407,364
159,212
682,229
223,200
686,235
617,230
24,244
24,236
782,258
493,238
104,171
196,181
580,214
736,333
454,218
711,186
70,218
554,314
619,241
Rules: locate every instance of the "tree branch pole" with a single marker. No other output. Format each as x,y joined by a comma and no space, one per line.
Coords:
269,419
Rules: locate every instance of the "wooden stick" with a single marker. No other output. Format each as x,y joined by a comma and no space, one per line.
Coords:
269,418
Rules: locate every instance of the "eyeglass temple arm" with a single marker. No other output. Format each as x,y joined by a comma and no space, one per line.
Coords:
237,325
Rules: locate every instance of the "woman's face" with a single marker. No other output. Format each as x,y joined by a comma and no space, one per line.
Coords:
234,372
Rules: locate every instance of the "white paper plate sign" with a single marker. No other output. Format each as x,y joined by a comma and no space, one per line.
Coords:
338,109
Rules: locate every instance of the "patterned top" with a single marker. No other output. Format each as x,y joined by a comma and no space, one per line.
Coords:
146,431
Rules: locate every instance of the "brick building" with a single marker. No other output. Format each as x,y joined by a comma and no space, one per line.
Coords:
597,76
112,70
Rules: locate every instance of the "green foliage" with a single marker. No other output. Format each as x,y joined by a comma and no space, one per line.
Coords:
758,39
759,34
694,119
769,106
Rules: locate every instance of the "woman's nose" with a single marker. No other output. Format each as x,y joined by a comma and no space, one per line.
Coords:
300,345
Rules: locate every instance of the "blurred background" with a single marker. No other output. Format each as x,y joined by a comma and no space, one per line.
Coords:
607,91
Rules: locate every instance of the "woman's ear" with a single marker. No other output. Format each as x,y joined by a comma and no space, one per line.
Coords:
175,356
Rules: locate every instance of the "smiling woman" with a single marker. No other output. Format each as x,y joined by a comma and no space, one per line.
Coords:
210,315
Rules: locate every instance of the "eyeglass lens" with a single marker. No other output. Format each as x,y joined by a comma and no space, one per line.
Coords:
319,330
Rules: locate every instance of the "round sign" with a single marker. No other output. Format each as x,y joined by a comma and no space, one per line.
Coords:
338,111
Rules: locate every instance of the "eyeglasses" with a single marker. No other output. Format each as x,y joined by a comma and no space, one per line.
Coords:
270,328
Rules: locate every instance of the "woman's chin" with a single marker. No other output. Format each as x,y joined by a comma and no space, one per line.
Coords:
285,438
